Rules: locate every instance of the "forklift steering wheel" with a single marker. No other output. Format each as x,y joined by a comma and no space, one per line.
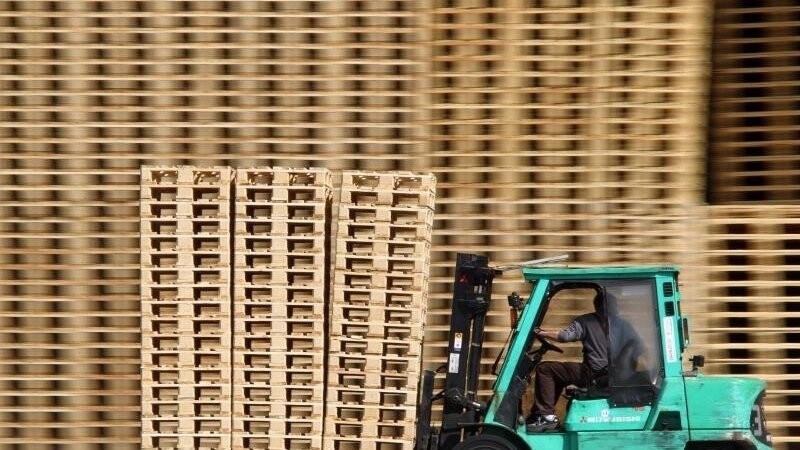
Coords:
547,345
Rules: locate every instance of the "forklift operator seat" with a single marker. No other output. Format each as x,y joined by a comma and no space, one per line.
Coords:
598,388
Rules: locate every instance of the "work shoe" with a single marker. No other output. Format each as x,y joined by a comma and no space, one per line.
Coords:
542,424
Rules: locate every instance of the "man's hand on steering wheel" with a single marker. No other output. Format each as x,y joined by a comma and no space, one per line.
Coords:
547,344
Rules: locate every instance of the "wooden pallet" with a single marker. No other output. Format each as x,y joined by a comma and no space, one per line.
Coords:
186,343
199,441
280,277
375,334
259,441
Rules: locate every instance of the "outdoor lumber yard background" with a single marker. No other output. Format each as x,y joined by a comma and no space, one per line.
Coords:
644,131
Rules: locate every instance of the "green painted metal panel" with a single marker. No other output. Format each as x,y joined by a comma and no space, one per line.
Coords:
639,440
517,348
549,441
588,273
721,403
598,415
671,401
669,325
728,435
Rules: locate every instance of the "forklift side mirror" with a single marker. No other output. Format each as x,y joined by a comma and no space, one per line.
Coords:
514,301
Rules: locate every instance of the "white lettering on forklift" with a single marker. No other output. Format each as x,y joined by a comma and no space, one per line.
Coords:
668,325
458,338
609,419
453,366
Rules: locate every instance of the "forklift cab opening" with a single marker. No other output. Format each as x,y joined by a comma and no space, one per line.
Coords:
628,307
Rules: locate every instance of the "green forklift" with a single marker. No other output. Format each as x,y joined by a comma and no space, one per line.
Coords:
647,402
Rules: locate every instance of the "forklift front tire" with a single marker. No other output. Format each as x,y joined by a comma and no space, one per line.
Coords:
486,442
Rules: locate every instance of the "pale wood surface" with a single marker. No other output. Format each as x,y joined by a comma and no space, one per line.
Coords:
549,127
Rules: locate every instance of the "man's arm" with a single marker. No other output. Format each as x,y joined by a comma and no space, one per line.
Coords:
573,333
548,334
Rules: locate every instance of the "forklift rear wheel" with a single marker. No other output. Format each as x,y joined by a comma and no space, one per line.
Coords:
485,442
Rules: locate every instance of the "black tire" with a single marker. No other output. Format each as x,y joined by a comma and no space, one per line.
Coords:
485,442
719,445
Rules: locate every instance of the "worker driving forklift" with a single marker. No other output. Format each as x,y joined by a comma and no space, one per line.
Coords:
593,330
629,391
553,376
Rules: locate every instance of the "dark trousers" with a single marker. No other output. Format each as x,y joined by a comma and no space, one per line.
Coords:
551,379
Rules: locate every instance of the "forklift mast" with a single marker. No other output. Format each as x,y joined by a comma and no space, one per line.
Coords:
472,291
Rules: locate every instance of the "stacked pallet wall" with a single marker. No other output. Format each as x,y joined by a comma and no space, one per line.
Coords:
89,91
378,310
282,218
754,184
92,90
754,271
562,126
755,86
186,307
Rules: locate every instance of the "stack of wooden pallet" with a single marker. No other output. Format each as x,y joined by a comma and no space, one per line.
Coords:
279,302
502,100
186,336
379,302
257,379
753,119
751,264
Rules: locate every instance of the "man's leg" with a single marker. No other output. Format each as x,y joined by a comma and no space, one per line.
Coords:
551,379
